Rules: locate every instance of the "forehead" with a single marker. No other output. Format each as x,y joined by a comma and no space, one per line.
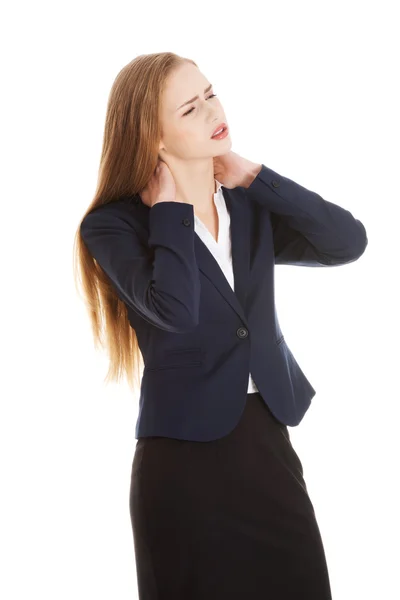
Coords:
182,85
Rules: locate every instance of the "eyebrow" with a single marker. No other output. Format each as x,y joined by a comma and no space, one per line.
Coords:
195,97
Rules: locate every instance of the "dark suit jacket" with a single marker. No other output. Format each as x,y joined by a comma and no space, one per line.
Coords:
199,338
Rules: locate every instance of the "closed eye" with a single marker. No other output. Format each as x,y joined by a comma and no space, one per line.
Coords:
189,111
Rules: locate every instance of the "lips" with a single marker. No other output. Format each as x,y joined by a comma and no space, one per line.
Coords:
220,126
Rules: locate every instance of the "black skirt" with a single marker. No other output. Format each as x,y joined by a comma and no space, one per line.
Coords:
226,519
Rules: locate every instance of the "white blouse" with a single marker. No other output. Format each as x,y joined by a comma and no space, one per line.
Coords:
221,250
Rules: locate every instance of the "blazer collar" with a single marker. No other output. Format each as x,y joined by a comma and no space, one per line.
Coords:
239,212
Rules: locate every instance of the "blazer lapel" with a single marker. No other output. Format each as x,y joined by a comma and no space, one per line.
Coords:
239,212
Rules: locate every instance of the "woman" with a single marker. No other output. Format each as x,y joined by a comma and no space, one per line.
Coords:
177,255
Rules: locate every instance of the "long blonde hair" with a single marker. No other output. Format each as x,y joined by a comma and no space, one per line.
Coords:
129,157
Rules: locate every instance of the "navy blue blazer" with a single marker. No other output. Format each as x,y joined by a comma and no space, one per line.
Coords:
199,338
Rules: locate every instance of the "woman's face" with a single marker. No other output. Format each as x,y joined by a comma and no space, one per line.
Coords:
187,129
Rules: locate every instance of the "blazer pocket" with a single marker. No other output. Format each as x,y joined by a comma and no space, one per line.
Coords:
179,357
280,340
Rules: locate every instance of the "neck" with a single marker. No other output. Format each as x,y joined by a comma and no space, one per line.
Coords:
195,183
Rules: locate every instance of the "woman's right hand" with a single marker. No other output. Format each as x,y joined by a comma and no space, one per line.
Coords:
161,186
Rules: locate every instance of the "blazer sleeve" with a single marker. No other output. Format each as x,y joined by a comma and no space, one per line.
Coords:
307,230
162,286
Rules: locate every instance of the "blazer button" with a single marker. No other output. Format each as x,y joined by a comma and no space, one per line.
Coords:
275,183
186,222
242,332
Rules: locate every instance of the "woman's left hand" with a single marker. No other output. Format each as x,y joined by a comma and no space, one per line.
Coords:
233,170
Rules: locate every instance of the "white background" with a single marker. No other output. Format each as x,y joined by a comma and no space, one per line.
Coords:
311,90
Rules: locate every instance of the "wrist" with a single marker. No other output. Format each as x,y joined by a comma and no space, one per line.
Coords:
251,174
